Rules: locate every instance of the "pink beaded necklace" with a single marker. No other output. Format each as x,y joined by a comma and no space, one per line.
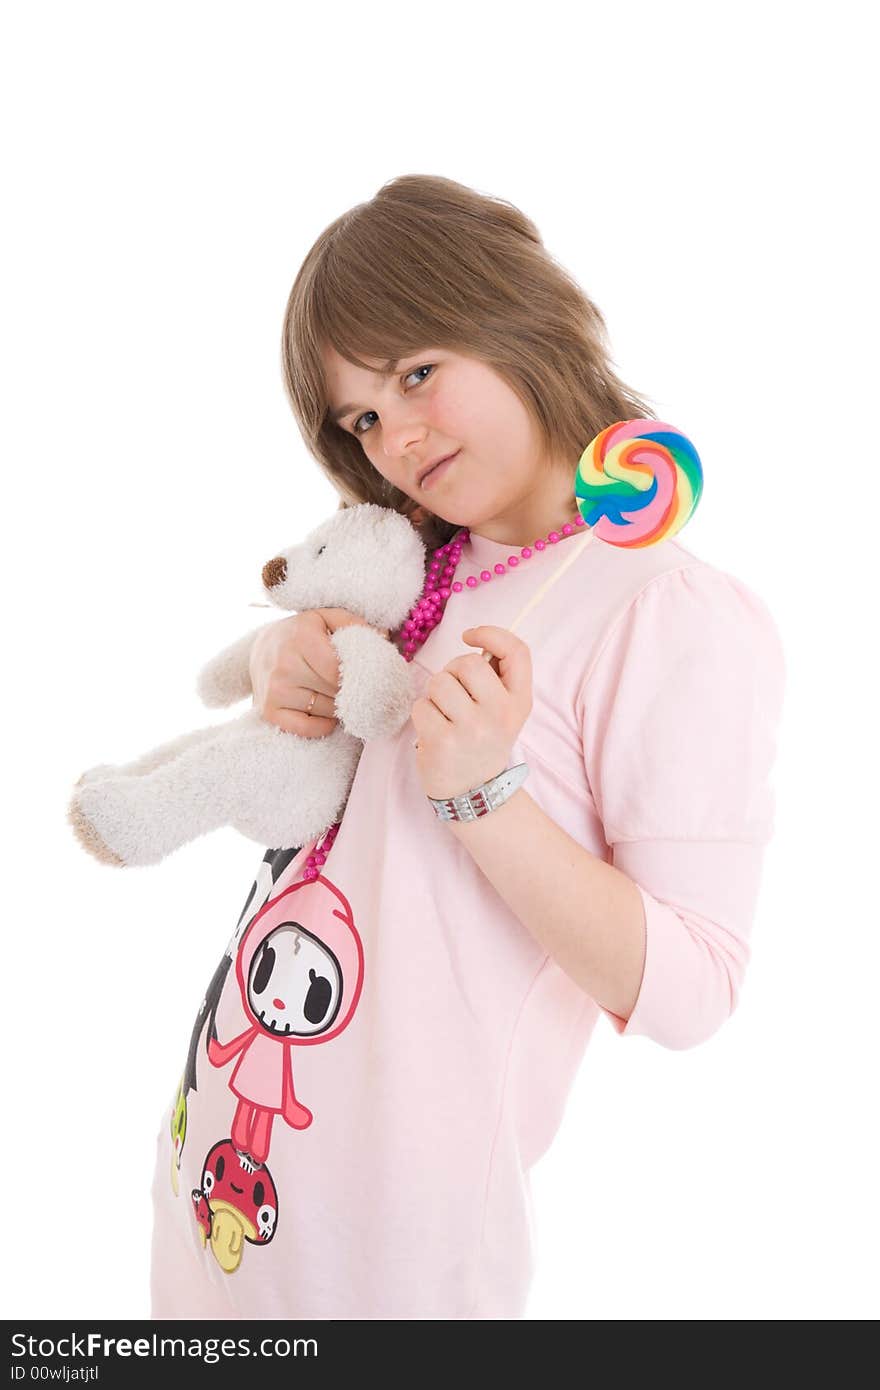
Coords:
428,611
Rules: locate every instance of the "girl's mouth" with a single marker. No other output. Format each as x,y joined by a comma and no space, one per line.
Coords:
438,470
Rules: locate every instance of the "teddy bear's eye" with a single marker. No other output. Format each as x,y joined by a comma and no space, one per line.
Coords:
322,549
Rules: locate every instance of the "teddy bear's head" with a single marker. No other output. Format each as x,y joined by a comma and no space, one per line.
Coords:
368,559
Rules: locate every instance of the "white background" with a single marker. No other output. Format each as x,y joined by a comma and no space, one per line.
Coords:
707,177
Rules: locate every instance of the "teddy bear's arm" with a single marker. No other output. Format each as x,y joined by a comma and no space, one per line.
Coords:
375,692
226,678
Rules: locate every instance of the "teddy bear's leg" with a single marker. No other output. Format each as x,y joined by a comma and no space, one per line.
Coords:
94,774
88,836
139,820
289,790
272,786
155,758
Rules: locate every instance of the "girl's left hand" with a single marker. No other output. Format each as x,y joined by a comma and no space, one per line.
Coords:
471,716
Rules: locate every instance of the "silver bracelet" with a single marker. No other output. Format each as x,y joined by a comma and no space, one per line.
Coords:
479,801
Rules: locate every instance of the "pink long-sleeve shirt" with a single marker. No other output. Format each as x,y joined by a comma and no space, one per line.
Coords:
434,1041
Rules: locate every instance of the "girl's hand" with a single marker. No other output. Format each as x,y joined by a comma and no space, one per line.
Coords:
471,716
291,660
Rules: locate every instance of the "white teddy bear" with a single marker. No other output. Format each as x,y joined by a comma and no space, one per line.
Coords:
275,787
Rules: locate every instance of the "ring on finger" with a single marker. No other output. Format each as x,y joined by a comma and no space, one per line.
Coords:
311,703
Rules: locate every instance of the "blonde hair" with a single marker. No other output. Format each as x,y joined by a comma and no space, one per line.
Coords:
428,261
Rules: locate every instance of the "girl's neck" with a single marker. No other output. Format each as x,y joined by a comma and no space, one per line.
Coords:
547,509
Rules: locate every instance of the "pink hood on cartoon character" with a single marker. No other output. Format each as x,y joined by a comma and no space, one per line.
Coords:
318,913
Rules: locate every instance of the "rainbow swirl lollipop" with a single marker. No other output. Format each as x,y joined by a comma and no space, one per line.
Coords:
638,482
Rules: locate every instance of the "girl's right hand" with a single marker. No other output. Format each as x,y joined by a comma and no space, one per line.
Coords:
290,660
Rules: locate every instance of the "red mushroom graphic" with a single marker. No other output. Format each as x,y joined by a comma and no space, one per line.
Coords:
242,1202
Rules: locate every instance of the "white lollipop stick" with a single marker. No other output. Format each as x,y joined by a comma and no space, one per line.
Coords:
574,549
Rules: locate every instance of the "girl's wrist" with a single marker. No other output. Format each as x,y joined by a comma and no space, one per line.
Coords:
483,799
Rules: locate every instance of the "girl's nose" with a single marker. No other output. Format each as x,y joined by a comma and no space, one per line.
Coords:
279,1003
400,436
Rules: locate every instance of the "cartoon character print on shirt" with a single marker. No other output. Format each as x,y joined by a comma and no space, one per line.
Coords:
300,970
234,1204
273,865
178,1134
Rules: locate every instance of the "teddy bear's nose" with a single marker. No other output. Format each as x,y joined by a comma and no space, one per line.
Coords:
275,572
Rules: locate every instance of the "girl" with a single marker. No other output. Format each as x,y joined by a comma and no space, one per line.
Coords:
387,1046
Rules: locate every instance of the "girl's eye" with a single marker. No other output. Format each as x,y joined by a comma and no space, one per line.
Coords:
428,367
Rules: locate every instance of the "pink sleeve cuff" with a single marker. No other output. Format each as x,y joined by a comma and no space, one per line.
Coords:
694,963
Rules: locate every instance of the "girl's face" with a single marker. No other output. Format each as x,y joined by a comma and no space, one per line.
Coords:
438,402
